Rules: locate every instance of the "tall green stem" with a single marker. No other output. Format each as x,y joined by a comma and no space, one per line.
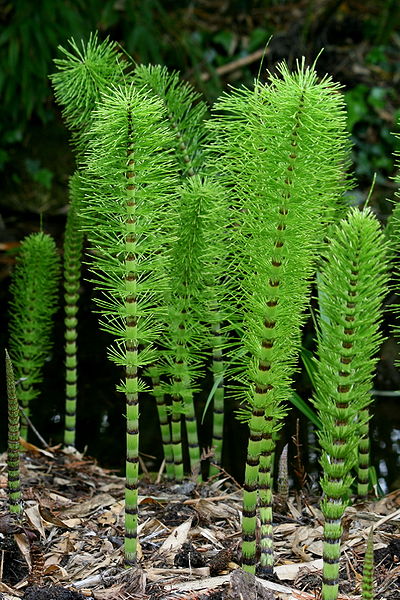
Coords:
351,290
13,462
73,242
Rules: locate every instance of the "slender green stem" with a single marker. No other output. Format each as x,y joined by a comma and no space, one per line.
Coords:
165,427
368,570
73,242
13,462
363,455
218,377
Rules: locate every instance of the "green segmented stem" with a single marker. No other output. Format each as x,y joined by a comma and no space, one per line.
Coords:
13,463
165,427
363,455
73,243
34,295
218,367
128,209
281,150
351,289
368,570
197,267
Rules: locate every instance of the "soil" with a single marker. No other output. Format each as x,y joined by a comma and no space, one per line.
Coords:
69,543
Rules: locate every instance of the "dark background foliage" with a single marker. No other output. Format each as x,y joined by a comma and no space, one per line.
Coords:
214,43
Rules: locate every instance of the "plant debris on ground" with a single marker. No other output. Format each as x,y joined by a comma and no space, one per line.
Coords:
69,544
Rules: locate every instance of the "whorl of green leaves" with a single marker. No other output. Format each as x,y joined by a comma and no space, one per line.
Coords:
83,73
73,243
281,149
185,112
14,482
351,289
34,291
128,211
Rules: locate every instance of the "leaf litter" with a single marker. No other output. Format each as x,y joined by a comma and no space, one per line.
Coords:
69,544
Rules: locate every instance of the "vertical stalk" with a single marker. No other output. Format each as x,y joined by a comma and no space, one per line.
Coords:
73,242
131,372
363,455
13,463
218,378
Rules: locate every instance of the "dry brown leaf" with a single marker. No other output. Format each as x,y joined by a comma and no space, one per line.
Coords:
24,547
177,537
84,509
290,571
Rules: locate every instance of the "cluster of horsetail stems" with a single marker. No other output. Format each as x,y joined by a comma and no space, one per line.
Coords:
14,483
285,177
165,198
73,243
352,287
34,291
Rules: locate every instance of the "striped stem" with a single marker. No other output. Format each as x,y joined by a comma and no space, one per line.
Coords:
73,243
368,570
13,463
165,427
363,455
218,377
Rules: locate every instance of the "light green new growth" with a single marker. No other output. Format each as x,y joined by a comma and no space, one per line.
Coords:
351,289
14,483
34,291
128,212
282,151
197,265
368,570
82,75
73,243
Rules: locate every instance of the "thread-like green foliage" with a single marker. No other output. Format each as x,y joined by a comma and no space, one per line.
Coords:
198,257
73,243
351,290
82,75
186,113
128,210
282,150
34,291
14,482
368,570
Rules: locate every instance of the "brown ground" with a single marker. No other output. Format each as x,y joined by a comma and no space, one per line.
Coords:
69,545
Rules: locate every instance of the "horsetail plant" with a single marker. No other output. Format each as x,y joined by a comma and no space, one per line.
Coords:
14,482
368,569
198,258
128,211
281,150
351,289
73,244
83,73
185,114
34,294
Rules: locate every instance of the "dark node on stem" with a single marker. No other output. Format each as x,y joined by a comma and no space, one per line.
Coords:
281,227
272,303
343,389
264,366
351,305
273,283
283,211
248,537
269,324
349,331
344,373
347,345
278,244
267,343
276,263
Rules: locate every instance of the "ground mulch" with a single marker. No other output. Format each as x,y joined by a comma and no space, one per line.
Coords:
69,544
